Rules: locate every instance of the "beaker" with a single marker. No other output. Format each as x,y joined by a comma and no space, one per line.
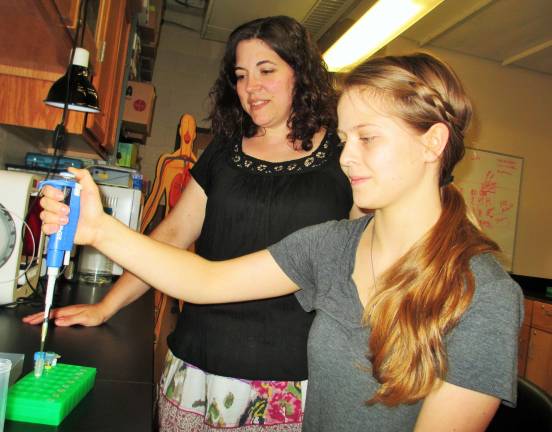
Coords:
94,267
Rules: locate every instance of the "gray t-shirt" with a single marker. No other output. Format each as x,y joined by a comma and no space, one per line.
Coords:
481,349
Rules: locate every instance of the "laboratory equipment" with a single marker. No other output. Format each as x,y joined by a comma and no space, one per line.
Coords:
15,190
125,205
61,242
44,360
48,399
5,368
16,364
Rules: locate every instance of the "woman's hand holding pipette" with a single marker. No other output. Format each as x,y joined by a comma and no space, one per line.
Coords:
56,213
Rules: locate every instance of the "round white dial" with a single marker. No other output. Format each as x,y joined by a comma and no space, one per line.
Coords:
7,235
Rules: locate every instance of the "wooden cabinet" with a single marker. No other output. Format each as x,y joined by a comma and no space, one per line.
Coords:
537,348
539,355
539,359
37,39
69,11
112,35
524,335
33,54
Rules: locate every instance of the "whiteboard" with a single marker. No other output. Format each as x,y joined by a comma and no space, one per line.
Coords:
490,183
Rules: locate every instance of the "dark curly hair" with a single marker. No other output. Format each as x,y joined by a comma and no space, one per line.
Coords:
314,98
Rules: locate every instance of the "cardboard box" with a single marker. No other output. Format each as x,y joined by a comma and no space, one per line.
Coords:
136,137
139,106
149,25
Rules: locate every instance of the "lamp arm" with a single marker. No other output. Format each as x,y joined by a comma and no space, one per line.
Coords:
80,28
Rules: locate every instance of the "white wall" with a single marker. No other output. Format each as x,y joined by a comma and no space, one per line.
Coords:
185,69
513,109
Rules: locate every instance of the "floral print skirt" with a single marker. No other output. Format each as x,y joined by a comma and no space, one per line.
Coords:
193,400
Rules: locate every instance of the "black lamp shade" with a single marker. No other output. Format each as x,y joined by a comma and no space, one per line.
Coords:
82,95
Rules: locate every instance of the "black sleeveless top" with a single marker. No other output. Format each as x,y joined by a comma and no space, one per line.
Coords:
252,204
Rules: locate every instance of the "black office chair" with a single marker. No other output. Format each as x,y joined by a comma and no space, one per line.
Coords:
532,414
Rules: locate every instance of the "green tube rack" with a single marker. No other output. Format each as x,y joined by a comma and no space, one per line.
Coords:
48,399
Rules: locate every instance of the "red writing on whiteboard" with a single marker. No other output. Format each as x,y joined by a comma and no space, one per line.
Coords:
506,206
489,184
507,163
483,200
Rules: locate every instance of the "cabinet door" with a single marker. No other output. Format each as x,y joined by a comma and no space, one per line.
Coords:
539,359
524,336
112,33
542,316
34,52
69,12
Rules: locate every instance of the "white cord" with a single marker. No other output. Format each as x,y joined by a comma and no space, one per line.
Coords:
33,256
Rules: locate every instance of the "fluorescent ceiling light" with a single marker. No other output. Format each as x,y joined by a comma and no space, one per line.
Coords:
382,23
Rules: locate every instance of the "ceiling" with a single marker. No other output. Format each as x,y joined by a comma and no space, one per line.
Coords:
514,33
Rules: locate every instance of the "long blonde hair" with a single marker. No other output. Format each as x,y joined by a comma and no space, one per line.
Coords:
423,295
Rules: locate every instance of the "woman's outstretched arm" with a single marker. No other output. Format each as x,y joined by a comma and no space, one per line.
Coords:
178,273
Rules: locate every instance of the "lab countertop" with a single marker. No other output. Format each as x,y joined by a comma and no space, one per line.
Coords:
121,350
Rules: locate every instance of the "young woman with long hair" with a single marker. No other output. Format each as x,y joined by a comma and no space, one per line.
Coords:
416,325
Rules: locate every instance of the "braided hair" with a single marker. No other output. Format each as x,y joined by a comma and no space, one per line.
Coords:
423,295
422,91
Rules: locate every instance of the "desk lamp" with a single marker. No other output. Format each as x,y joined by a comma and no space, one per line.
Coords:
74,88
73,91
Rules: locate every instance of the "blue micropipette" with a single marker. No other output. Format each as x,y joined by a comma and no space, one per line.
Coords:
61,242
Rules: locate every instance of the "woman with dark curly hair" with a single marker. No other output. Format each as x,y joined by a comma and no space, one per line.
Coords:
313,97
271,169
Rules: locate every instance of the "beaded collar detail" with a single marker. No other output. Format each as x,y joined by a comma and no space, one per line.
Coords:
317,158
